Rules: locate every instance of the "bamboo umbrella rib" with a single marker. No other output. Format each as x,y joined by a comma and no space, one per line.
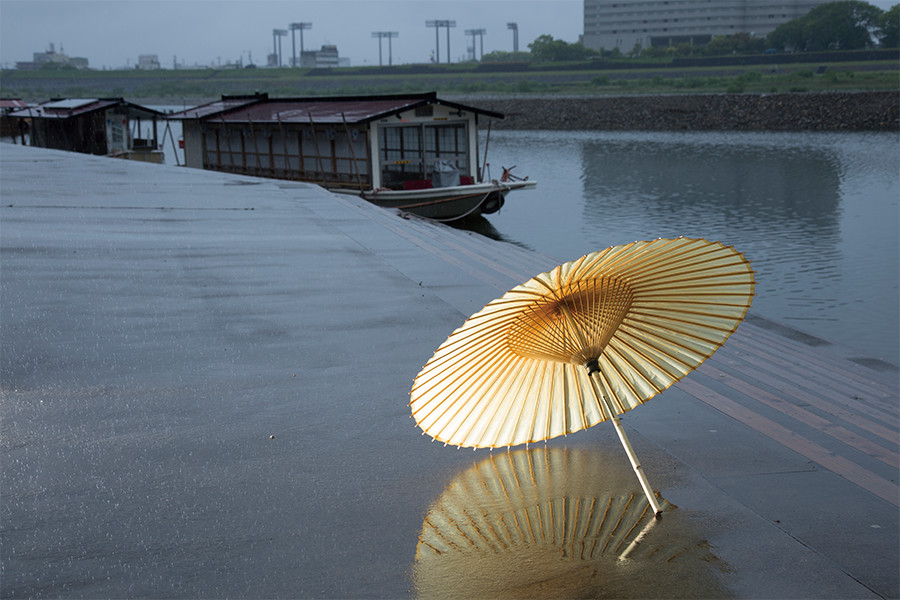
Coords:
641,365
697,266
677,333
521,430
475,417
648,349
613,372
550,418
447,402
530,406
507,421
506,405
635,371
642,260
454,358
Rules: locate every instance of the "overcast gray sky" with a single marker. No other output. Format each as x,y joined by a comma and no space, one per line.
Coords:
204,32
111,34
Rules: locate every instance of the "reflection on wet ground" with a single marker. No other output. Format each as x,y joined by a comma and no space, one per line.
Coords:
558,522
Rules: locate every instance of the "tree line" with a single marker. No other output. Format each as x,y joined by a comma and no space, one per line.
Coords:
841,25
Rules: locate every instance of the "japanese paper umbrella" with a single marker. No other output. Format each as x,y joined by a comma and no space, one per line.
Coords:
583,343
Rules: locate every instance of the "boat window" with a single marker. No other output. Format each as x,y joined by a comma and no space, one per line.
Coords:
409,152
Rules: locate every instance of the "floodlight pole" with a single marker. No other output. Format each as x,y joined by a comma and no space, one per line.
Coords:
294,27
480,33
515,30
276,37
437,24
381,35
593,368
448,25
437,43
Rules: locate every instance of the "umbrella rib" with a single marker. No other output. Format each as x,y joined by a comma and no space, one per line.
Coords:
624,378
509,373
483,387
730,264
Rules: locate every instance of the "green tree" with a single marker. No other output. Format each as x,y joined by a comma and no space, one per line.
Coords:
890,27
842,25
547,49
744,43
788,36
718,46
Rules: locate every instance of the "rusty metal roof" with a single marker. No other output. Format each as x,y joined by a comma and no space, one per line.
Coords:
217,107
12,103
336,110
66,108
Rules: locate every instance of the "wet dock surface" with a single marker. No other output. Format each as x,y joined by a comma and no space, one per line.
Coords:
204,381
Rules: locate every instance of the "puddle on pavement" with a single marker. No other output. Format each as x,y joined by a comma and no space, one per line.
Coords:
558,523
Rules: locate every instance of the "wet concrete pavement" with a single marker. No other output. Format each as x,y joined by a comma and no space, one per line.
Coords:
204,384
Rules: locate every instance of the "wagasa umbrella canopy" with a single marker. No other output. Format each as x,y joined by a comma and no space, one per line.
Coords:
583,343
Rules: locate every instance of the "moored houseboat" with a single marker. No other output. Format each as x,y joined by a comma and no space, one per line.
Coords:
8,127
413,152
103,126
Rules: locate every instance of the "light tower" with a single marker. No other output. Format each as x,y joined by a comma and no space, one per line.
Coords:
515,30
480,33
437,24
381,35
277,34
294,27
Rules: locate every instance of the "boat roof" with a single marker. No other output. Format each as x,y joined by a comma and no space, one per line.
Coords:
333,110
217,107
11,103
65,108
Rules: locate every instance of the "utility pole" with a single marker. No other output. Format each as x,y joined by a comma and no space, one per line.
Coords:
294,27
381,35
480,33
515,30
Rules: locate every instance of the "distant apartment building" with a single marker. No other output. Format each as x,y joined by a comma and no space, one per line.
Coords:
325,58
52,57
622,24
148,62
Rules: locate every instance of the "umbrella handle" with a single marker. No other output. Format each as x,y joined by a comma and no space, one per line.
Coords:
635,464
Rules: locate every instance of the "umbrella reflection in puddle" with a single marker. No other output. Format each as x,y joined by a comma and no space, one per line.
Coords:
557,522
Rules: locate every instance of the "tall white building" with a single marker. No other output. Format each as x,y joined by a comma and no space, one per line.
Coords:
621,24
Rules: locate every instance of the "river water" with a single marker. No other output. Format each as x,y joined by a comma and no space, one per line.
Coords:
816,213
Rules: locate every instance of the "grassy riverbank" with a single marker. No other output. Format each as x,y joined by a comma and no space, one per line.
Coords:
467,78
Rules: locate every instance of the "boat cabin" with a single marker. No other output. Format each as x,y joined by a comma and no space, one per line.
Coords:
391,142
8,127
103,126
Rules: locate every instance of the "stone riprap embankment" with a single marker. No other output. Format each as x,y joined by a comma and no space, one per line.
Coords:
835,111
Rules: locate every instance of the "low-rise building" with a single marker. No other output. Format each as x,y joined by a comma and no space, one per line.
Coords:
148,62
52,57
325,58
